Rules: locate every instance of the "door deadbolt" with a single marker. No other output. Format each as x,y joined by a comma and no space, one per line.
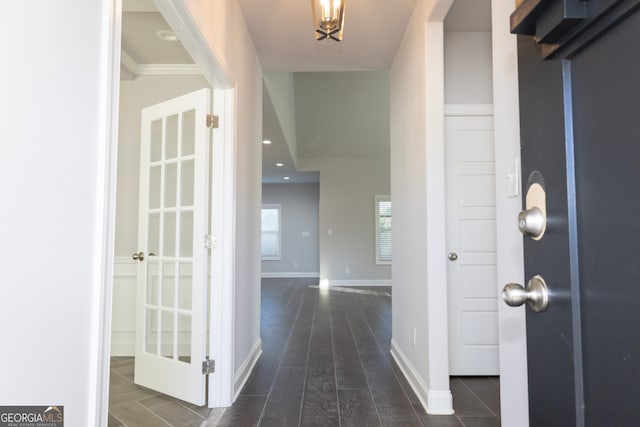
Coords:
532,222
536,294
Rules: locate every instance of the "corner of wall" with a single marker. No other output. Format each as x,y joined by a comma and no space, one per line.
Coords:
435,402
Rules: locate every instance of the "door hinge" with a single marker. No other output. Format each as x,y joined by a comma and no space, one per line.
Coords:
212,121
210,241
208,366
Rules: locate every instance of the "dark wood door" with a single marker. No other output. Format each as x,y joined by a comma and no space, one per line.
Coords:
579,71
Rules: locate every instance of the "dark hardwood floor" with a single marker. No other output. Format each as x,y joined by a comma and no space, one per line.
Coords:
326,362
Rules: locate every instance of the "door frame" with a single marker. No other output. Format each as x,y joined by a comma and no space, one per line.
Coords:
514,397
223,211
221,345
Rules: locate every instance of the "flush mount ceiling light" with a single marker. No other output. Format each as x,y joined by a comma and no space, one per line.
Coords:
266,142
167,36
279,165
286,178
328,19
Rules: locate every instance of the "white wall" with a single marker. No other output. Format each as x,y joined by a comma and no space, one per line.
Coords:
342,114
55,185
135,95
417,188
222,24
468,77
511,322
299,214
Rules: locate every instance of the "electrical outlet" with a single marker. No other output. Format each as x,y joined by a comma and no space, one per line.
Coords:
347,270
413,337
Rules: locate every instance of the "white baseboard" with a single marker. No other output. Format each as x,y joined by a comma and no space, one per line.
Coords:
440,402
291,275
359,282
244,371
436,402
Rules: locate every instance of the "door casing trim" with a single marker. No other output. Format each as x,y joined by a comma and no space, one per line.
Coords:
179,18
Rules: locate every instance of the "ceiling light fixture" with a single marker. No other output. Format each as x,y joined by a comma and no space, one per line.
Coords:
286,178
328,19
266,142
279,165
167,36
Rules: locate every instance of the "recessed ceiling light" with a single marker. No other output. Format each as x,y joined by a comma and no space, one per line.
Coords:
266,142
279,165
286,178
167,35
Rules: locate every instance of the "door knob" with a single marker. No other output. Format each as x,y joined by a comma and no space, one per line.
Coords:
536,294
453,256
138,256
532,222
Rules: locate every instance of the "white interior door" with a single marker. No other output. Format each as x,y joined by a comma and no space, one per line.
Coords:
471,242
173,221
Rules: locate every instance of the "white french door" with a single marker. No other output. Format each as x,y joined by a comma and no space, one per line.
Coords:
172,224
471,242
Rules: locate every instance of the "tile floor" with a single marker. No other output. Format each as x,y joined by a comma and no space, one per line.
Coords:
131,405
325,362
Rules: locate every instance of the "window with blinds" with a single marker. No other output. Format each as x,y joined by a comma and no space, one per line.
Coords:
271,232
383,230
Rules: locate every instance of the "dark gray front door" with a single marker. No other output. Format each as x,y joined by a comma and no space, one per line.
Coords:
580,138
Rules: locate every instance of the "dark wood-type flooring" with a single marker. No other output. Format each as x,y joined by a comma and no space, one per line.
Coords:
326,362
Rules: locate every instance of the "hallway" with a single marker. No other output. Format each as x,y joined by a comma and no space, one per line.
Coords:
326,362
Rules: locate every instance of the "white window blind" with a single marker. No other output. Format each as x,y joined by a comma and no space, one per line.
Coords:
383,230
270,232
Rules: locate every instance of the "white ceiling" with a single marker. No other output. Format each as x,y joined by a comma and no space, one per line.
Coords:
283,35
140,42
469,16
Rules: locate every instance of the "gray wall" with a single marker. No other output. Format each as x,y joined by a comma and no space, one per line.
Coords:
467,66
347,190
299,214
342,125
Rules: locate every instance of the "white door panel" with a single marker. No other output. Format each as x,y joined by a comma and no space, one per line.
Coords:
173,220
471,234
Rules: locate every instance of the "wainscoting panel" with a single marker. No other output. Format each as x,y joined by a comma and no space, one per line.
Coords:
123,322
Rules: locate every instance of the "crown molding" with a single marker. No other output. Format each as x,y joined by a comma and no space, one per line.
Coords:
156,69
130,69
